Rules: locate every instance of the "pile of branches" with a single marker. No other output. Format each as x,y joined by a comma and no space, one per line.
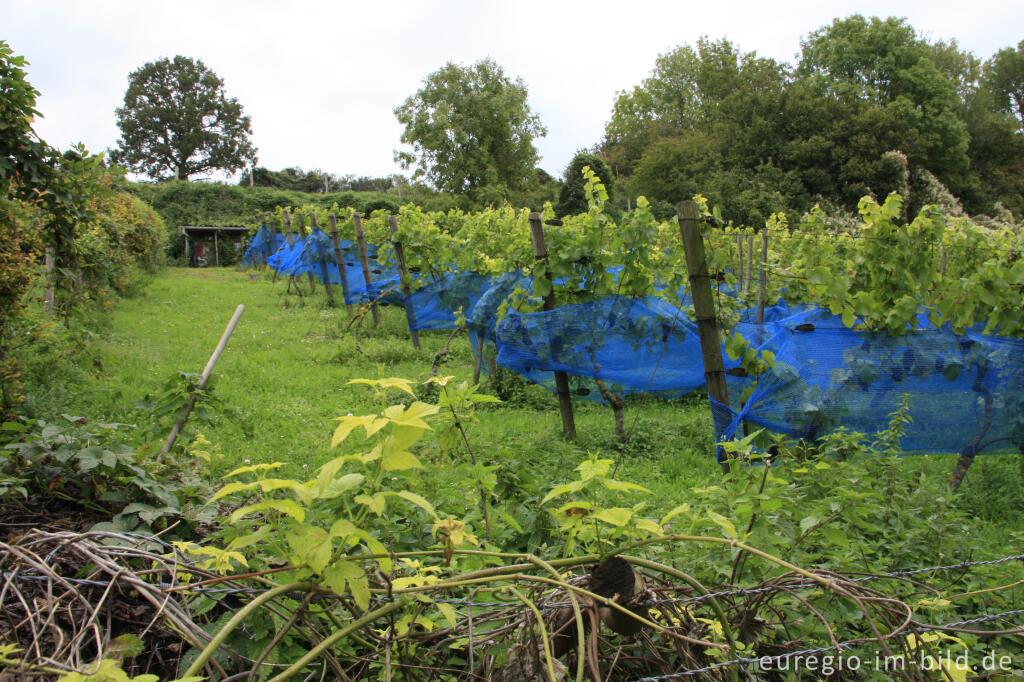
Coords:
68,600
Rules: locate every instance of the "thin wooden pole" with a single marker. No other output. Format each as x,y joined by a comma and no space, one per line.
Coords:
291,244
339,258
540,252
321,259
357,220
302,237
203,378
704,304
216,251
762,289
403,273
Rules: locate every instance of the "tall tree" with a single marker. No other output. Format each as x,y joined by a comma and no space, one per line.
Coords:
572,199
471,131
177,122
1004,76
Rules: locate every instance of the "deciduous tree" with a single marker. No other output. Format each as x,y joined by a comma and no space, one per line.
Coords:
177,122
471,131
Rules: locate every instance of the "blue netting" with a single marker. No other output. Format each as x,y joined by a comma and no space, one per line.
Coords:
965,392
262,246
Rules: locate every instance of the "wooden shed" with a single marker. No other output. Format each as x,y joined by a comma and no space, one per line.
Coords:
196,237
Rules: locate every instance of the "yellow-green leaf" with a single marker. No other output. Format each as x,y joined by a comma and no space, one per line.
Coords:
617,516
254,467
232,487
724,523
376,502
418,500
289,507
311,546
399,461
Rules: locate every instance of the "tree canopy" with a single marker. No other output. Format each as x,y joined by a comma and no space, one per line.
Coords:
471,131
870,107
177,122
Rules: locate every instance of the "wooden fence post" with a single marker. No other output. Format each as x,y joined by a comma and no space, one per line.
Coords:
762,292
365,262
339,257
750,262
540,252
403,273
704,304
321,259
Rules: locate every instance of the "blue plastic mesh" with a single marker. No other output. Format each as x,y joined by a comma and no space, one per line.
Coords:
262,246
965,392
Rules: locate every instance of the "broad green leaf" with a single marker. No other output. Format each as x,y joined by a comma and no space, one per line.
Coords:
650,526
681,509
289,507
808,522
413,415
371,422
311,546
254,467
360,592
342,528
418,500
400,461
339,486
376,502
724,523
448,611
563,488
376,547
623,485
339,574
590,468
233,487
402,437
617,516
400,384
269,484
125,646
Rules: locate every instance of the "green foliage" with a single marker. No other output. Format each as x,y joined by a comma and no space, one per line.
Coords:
471,131
572,199
177,122
86,464
1004,78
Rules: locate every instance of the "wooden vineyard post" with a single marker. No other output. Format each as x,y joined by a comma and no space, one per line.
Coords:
403,273
339,257
540,252
365,262
739,267
302,238
203,378
750,263
321,259
273,236
762,292
703,304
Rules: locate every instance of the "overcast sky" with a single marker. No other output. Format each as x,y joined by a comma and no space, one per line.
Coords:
320,79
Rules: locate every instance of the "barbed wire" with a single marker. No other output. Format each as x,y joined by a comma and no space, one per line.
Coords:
805,653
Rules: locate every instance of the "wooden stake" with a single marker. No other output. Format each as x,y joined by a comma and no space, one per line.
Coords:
540,252
739,267
322,260
207,371
339,258
365,262
302,238
403,273
762,291
750,263
704,304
